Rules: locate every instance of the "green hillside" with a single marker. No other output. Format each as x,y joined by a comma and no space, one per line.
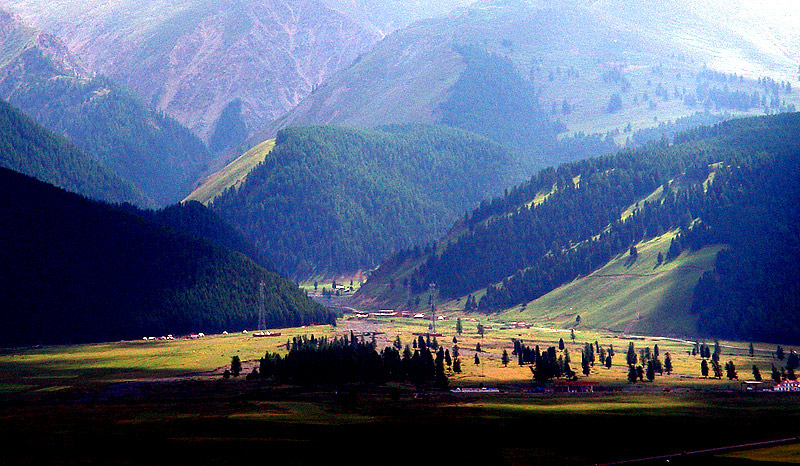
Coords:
161,158
630,296
76,270
232,175
734,184
28,148
332,199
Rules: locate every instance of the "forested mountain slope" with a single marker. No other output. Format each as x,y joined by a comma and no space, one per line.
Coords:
42,78
337,199
28,148
734,184
76,270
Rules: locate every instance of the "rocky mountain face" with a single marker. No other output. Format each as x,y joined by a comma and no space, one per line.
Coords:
191,59
41,77
577,53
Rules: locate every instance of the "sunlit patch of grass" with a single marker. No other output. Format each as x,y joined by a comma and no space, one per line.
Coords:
632,404
789,454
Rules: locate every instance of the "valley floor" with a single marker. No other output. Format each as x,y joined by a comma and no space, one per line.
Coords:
165,402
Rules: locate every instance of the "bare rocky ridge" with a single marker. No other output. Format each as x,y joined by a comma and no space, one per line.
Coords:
406,76
191,59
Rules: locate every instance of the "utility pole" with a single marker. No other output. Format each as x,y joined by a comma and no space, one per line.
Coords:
433,308
262,321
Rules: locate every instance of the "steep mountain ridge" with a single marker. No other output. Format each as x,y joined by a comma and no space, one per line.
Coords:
42,78
577,55
28,148
330,199
190,59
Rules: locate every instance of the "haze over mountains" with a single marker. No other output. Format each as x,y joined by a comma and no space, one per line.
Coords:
39,75
191,59
370,127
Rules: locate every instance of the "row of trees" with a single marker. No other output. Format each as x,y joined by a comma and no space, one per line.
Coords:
324,361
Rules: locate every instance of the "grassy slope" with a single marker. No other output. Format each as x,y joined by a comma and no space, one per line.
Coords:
231,175
614,295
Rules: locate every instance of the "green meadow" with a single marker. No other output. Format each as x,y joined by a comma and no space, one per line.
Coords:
95,398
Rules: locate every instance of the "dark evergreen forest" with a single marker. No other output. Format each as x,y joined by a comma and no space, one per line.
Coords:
28,148
341,199
156,154
76,270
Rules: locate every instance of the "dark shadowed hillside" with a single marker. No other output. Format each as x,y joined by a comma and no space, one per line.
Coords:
75,270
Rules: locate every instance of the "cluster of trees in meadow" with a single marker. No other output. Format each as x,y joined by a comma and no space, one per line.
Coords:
326,361
340,199
76,270
521,250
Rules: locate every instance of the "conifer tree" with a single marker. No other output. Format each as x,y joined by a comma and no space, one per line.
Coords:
477,359
704,368
457,365
459,328
651,370
584,363
668,363
776,376
730,371
717,368
631,374
236,366
504,358
756,373
631,356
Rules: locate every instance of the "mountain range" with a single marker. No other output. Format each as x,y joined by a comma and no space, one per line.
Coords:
730,190
191,59
41,77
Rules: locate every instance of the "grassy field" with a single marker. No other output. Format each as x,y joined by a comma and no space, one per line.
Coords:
61,367
87,403
628,295
232,175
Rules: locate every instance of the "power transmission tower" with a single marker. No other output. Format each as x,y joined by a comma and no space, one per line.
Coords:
262,295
